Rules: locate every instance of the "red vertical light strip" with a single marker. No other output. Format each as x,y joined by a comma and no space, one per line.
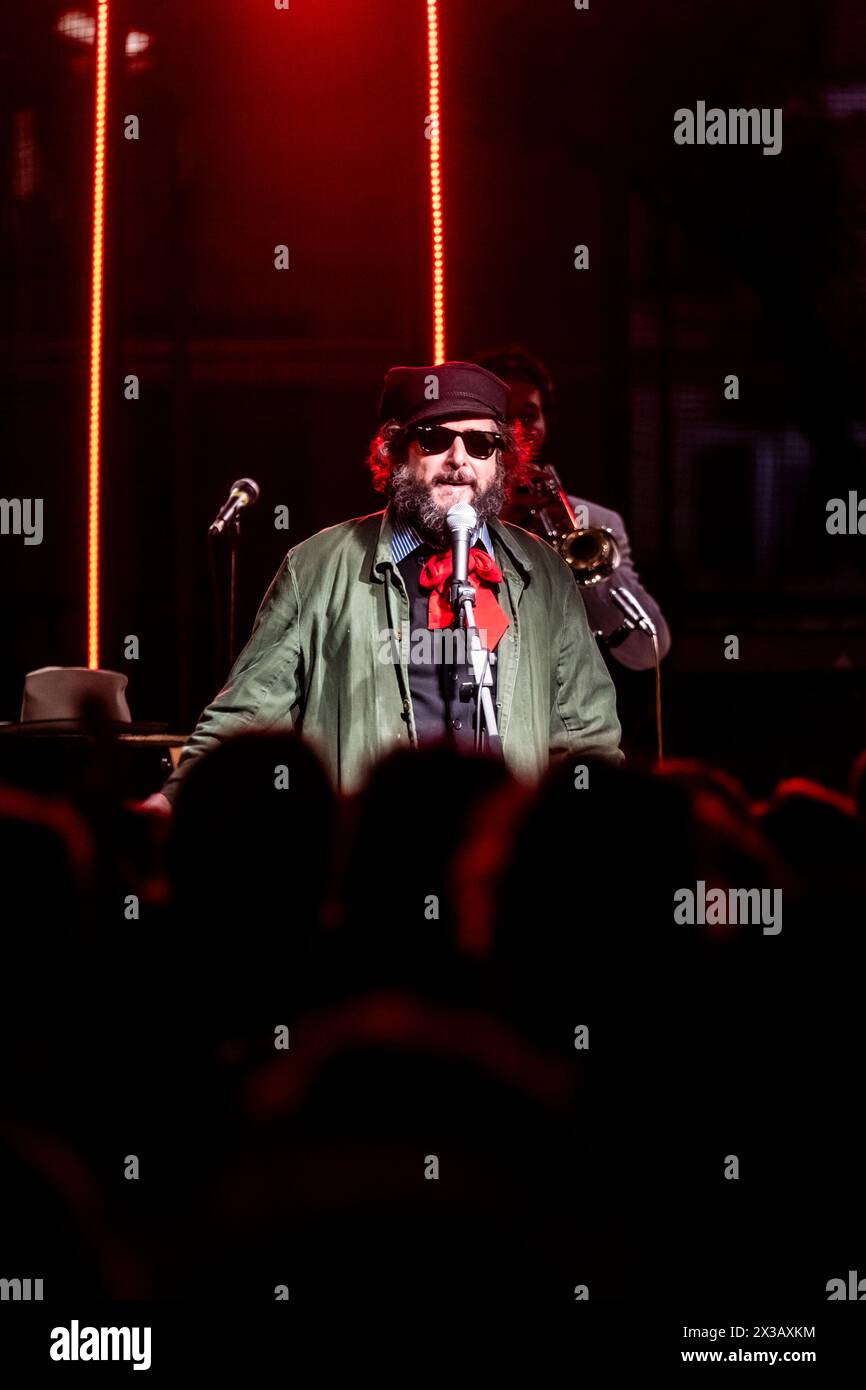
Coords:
95,415
435,133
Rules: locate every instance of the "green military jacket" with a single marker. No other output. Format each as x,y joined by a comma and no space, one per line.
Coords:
328,656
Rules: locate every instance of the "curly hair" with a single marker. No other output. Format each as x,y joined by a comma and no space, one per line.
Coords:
390,447
514,362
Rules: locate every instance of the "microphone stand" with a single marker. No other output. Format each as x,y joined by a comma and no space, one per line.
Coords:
462,596
637,619
243,493
235,535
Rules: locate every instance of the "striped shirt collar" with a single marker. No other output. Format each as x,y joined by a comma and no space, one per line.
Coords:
405,539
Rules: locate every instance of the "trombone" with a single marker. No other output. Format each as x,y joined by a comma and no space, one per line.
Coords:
591,552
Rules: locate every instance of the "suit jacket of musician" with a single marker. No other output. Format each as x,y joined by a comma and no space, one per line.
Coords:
323,660
636,651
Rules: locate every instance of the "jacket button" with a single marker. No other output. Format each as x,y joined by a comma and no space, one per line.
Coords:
458,723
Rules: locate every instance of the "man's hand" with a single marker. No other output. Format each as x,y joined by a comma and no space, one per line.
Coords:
157,805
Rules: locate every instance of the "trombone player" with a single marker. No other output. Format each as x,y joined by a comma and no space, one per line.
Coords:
626,637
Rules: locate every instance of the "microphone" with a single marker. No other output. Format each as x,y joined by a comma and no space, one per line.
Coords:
461,520
243,493
634,611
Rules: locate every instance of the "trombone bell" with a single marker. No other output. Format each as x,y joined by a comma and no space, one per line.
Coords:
591,553
542,506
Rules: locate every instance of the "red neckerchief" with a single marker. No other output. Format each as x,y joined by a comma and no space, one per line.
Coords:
483,573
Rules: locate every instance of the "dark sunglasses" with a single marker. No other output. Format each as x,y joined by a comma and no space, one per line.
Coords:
437,439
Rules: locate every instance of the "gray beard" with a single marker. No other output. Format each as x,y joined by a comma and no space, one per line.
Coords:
414,505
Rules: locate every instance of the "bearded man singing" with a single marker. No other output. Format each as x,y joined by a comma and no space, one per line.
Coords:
328,654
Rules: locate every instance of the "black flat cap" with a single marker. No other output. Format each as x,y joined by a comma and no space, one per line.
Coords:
447,392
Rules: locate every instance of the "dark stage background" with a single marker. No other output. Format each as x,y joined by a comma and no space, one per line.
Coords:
259,128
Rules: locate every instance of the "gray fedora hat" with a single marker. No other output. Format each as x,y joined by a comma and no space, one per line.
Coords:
73,700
